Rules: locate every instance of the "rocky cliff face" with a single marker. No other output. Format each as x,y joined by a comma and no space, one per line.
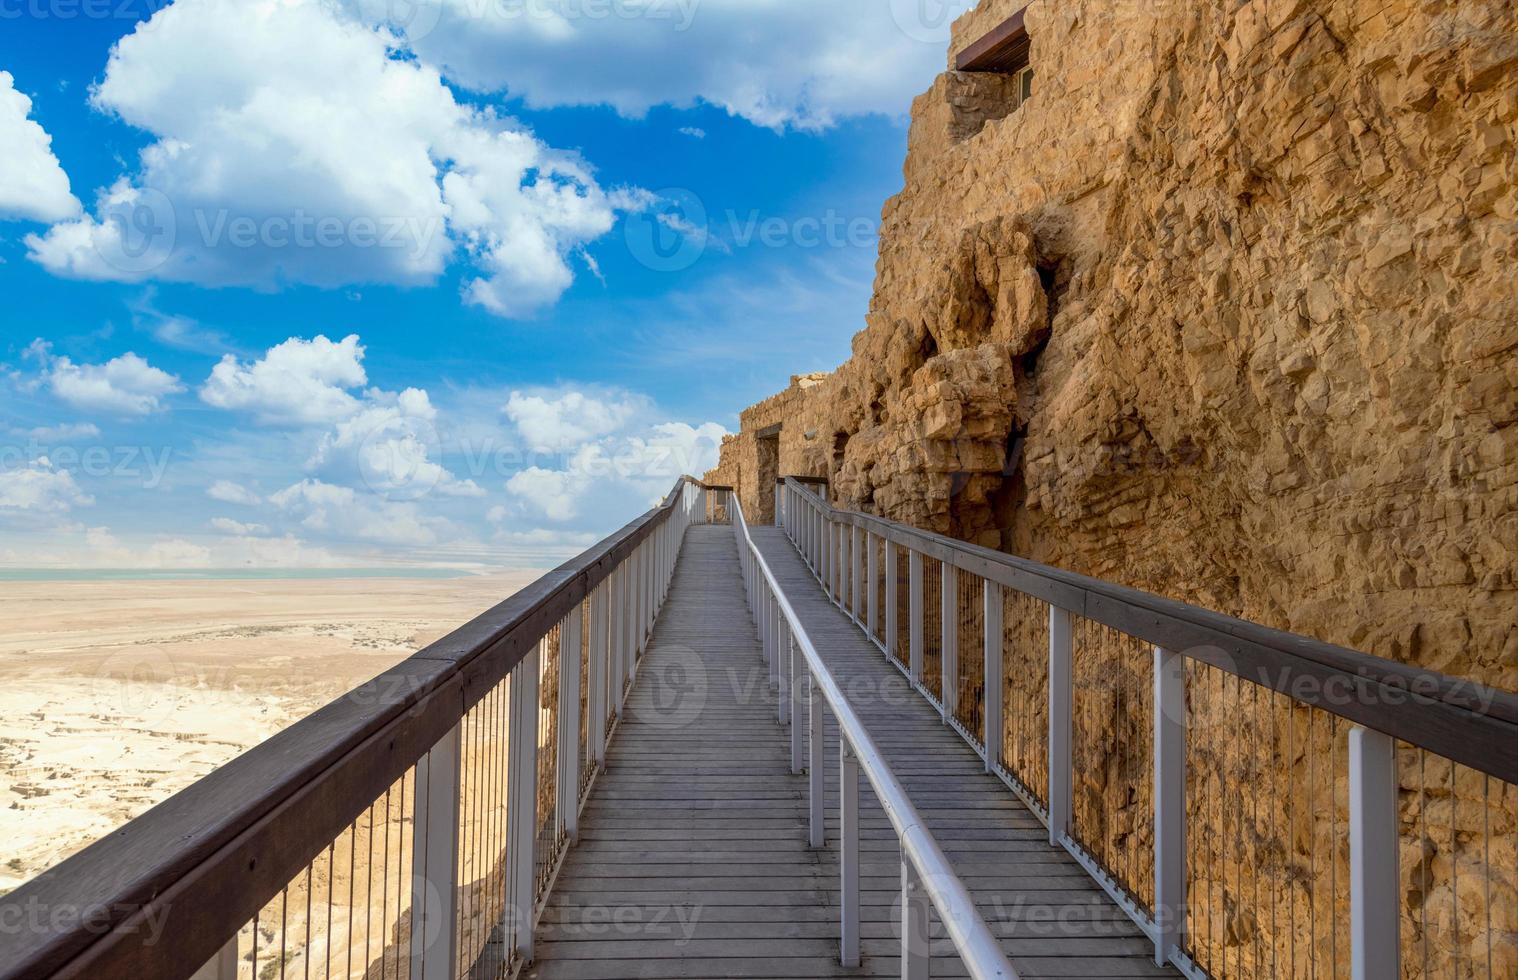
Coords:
1225,312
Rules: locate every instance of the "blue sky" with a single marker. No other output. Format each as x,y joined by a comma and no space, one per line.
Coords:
361,282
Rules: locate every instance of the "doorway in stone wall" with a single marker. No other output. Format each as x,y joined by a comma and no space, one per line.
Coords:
768,446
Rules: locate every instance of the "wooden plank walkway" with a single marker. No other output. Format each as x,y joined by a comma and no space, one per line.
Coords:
693,860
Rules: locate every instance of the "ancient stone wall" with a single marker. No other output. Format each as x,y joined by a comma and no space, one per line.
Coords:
1225,312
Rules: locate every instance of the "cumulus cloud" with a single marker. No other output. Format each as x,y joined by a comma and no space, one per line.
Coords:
388,447
39,488
293,146
571,418
33,185
299,382
344,512
780,63
612,449
126,385
233,493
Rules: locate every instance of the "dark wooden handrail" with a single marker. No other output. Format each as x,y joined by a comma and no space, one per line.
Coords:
1460,719
197,867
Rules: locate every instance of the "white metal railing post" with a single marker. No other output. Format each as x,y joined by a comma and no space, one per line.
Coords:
798,689
816,776
916,941
871,585
222,966
914,615
891,600
856,572
782,674
522,801
595,701
948,604
779,505
844,566
1374,882
570,655
991,708
825,536
1060,721
848,856
434,857
615,638
1169,803
778,668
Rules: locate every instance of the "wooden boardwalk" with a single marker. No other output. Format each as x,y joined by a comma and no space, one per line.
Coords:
693,860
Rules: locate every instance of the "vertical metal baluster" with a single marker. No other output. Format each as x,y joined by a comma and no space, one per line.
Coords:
569,726
434,855
848,857
891,600
1375,944
798,686
948,642
916,950
856,573
1060,722
816,778
1169,802
871,586
914,615
522,803
995,678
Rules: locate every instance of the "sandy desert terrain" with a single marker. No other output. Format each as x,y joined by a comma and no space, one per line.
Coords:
114,695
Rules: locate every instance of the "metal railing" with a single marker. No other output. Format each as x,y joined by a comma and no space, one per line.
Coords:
1244,794
412,828
927,878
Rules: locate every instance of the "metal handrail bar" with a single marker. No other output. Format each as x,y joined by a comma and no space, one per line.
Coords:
925,866
200,865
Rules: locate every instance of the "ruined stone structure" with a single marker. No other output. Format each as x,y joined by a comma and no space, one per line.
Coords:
1226,312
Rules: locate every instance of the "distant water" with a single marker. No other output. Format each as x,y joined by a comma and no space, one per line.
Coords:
217,574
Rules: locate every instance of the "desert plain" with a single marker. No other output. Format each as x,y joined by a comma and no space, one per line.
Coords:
116,694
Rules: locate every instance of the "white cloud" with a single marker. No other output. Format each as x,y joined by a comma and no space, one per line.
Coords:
236,528
552,493
232,493
388,447
613,451
777,63
566,421
293,146
694,132
40,488
126,385
101,548
66,432
33,185
299,382
344,512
